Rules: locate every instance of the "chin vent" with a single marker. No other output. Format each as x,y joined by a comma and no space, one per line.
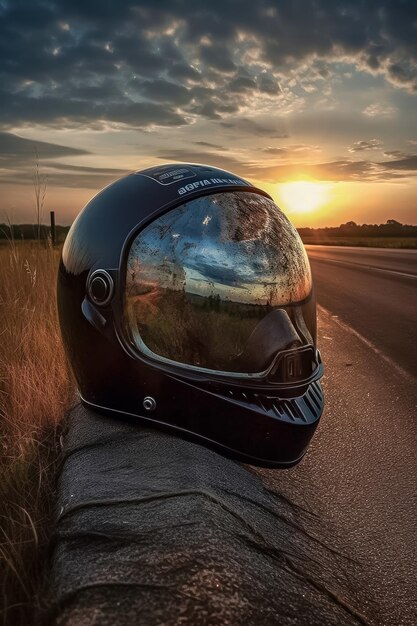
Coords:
303,410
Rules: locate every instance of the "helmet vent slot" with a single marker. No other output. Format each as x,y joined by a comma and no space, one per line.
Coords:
316,396
303,409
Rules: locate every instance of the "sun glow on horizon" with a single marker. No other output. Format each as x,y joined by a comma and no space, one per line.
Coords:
300,196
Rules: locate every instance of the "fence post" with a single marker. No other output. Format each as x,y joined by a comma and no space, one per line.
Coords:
53,235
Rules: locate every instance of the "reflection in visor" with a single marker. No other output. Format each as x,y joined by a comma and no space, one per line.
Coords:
202,277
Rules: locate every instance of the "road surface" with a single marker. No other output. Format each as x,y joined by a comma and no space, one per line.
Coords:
359,477
374,291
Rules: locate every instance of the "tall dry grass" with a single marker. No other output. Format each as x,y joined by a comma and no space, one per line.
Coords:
35,390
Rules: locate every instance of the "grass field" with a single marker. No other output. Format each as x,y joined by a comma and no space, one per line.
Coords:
35,390
366,242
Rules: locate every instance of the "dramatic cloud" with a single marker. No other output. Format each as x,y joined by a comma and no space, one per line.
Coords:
144,64
273,91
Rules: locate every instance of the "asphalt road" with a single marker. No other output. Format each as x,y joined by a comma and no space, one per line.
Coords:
374,291
359,477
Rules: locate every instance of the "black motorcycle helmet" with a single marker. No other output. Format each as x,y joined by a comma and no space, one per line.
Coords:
186,301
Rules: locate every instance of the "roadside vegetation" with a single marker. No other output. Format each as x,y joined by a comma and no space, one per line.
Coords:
35,391
392,234
363,242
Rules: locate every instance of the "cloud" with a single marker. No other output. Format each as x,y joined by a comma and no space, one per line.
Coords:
242,84
218,57
204,157
18,158
89,64
343,170
15,150
251,127
83,169
213,272
207,144
395,154
163,91
213,109
408,162
296,150
370,144
59,113
379,110
268,84
66,179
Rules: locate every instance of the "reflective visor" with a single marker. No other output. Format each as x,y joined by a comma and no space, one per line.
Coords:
203,280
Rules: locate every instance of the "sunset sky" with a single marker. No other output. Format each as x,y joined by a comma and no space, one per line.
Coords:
313,101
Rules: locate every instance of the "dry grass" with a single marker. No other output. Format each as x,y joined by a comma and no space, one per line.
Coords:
35,390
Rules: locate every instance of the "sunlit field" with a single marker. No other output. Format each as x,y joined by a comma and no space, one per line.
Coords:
35,390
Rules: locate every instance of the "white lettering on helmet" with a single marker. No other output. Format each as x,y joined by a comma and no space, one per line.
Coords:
212,181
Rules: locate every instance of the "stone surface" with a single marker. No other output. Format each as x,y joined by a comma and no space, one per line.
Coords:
153,529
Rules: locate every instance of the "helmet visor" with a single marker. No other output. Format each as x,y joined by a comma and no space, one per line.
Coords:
201,279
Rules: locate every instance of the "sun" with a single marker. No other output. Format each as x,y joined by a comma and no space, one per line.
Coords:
302,196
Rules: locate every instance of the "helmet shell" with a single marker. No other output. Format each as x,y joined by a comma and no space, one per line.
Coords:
264,425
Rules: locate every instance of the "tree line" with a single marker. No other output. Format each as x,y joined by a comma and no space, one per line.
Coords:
391,228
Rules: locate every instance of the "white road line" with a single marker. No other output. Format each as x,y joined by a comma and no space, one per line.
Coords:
367,267
400,370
